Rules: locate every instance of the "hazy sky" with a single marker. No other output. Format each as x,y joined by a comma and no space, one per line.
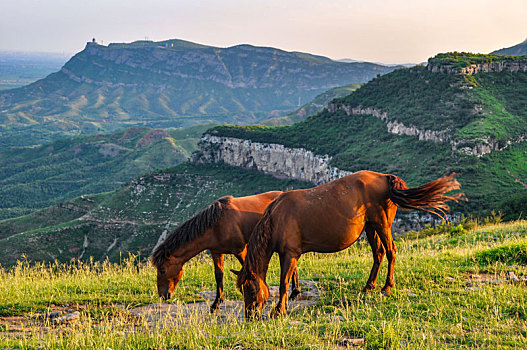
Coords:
392,31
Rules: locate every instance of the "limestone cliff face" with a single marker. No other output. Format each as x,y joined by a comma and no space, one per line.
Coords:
393,126
478,147
274,159
503,66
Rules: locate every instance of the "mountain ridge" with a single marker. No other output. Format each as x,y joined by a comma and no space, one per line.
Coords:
172,83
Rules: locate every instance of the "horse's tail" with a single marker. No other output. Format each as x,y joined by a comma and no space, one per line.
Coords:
431,195
258,246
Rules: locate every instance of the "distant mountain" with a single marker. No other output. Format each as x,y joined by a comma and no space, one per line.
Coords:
351,60
36,177
172,83
520,49
312,107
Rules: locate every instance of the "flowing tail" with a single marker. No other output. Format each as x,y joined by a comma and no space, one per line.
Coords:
430,195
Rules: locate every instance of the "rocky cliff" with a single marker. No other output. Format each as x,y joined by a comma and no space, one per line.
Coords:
478,147
269,158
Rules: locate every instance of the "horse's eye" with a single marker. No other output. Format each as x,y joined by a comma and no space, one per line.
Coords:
162,271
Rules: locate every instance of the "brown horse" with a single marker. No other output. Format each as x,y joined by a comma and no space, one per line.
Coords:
330,218
224,227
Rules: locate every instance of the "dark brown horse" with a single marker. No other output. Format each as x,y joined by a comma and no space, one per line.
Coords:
224,227
330,218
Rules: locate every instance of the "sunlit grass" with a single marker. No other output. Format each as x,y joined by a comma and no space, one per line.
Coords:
435,304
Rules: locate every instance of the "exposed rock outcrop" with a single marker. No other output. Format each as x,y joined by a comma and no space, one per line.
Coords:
476,147
491,67
274,159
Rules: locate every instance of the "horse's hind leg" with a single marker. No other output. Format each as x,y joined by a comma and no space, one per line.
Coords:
295,286
378,254
385,234
218,274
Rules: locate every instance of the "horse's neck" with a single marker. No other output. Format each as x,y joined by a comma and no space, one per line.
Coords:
189,250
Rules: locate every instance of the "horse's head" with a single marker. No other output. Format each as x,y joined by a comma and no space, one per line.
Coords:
169,273
255,292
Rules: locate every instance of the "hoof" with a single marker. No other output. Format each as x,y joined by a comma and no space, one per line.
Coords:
294,294
385,293
366,290
276,312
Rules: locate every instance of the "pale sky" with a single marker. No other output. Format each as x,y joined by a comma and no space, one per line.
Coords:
390,31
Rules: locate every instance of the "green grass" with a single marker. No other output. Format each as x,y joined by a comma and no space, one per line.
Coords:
435,304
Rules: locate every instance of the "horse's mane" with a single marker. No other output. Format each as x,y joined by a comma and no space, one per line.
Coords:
190,230
256,260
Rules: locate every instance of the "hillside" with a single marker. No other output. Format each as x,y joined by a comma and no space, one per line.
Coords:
519,49
128,219
313,107
37,177
419,123
171,83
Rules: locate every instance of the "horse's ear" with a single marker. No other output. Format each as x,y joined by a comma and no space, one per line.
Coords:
237,273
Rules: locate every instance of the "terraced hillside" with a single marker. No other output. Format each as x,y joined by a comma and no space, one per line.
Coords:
172,83
129,219
419,124
36,177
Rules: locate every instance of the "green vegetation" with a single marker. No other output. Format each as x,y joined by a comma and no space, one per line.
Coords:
446,296
36,177
465,59
129,219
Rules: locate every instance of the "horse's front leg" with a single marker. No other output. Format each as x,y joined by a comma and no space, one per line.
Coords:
218,274
287,267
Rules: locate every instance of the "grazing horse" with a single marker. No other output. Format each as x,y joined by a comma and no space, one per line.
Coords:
224,227
329,218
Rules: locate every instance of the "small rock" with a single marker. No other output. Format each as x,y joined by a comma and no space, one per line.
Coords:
352,342
496,281
513,278
448,278
296,323
74,316
54,314
337,319
407,292
475,277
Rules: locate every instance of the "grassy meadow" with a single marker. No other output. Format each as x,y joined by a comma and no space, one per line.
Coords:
452,291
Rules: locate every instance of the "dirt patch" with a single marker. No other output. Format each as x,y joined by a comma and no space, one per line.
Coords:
152,136
230,311
56,316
